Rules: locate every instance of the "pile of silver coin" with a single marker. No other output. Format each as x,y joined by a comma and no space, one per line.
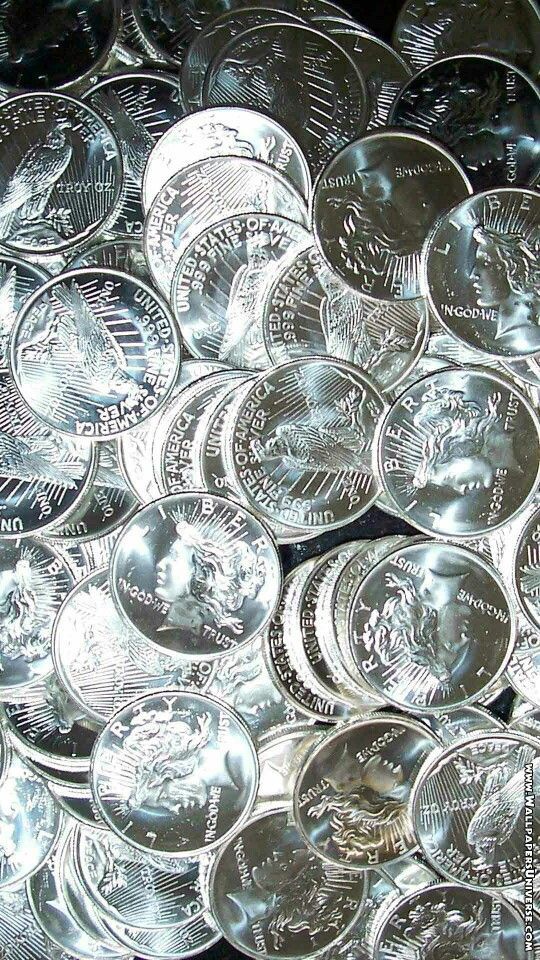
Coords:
259,273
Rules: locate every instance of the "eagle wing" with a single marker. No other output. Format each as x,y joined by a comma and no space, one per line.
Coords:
328,450
93,337
38,170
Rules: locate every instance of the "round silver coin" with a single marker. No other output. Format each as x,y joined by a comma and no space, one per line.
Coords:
95,353
34,579
139,107
427,30
431,627
104,663
124,255
18,281
44,476
308,309
458,452
374,205
480,273
273,897
483,110
60,174
468,808
30,822
219,286
445,919
526,567
208,773
196,574
352,795
302,443
326,103
204,193
523,668
220,132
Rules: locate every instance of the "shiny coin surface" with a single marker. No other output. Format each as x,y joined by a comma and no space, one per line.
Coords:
34,579
219,286
326,104
351,797
196,574
468,808
30,821
208,773
18,926
462,723
427,30
139,107
184,940
18,281
78,803
481,276
44,475
523,668
81,907
308,309
459,452
302,443
431,626
272,896
526,567
220,132
95,353
124,255
374,205
53,152
486,113
445,919
204,193
282,752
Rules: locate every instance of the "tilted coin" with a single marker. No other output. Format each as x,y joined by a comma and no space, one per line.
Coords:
60,173
527,723
272,896
44,475
462,723
78,802
80,905
18,926
459,452
282,752
456,352
95,352
124,255
374,205
523,668
446,918
184,940
221,132
468,808
220,282
34,579
302,443
204,193
308,309
427,30
208,773
351,797
139,107
30,822
481,275
326,102
196,574
103,662
483,110
526,567
431,627
18,281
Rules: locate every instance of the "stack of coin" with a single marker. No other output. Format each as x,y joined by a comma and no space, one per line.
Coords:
269,474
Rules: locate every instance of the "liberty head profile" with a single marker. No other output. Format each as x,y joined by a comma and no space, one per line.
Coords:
506,277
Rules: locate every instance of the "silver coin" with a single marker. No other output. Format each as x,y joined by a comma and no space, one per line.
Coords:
80,905
527,723
326,103
308,310
56,46
139,107
34,579
526,566
18,927
462,723
272,896
30,822
374,205
219,286
447,918
124,255
95,353
220,132
204,193
431,627
208,780
351,797
480,272
60,173
427,30
468,808
523,668
185,940
457,353
282,752
302,443
527,370
44,475
78,803
196,574
18,281
458,452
